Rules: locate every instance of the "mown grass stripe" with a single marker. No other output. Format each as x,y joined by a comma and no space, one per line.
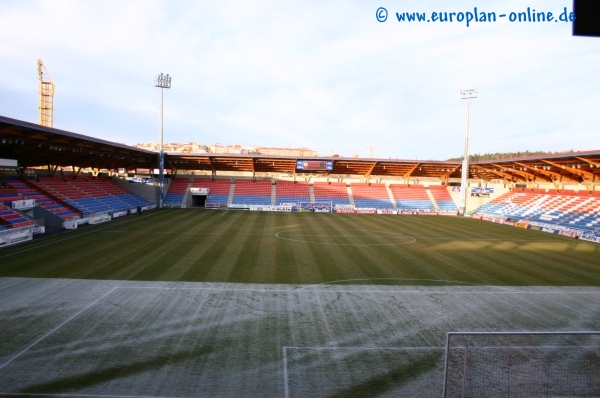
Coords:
243,247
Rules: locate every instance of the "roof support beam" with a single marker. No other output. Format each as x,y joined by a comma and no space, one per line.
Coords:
506,176
581,173
368,173
409,172
588,161
558,176
212,168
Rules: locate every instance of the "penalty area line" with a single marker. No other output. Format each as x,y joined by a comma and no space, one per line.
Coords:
56,328
318,348
22,394
388,289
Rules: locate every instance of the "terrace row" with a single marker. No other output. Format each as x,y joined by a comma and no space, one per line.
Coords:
362,195
64,198
566,208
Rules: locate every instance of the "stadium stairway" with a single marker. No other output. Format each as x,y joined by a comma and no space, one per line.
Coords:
350,195
432,199
441,198
391,196
186,196
176,194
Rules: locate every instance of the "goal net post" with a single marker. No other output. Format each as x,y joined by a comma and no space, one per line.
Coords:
522,364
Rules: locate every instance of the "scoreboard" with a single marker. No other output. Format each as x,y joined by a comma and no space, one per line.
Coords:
314,165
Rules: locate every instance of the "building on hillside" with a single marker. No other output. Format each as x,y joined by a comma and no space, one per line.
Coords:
216,148
296,152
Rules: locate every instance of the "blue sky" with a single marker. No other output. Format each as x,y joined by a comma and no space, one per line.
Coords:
319,74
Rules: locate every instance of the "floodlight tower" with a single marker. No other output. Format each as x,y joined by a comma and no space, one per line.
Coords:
466,94
161,81
46,90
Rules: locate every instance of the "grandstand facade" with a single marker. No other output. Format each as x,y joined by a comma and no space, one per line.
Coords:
70,176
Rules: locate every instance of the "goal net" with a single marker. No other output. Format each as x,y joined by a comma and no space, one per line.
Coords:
529,364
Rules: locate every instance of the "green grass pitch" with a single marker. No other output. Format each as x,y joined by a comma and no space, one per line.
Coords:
305,248
194,303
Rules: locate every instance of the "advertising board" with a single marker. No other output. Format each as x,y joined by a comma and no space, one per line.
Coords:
366,210
316,207
215,205
387,211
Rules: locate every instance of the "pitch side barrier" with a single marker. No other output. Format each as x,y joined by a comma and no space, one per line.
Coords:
16,235
348,209
574,233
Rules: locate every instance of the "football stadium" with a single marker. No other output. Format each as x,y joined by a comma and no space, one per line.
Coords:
249,253
331,277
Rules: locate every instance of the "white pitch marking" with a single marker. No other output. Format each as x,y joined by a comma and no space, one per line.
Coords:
485,239
188,233
19,394
303,289
285,375
406,279
56,328
369,348
323,315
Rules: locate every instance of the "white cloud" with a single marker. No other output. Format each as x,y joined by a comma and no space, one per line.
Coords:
318,74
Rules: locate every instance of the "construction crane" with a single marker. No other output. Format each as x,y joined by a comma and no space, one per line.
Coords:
346,149
353,149
46,89
372,148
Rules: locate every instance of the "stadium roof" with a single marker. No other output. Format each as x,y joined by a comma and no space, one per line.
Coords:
33,145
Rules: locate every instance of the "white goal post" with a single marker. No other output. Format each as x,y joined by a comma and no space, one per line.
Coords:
519,364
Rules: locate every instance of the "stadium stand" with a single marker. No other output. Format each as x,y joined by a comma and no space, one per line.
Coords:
290,192
25,192
443,198
411,197
252,192
91,196
176,192
12,219
567,208
371,196
218,190
334,192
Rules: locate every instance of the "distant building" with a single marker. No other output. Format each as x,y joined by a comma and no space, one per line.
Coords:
296,152
216,148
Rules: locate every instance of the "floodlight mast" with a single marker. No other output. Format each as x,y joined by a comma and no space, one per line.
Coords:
161,81
466,94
